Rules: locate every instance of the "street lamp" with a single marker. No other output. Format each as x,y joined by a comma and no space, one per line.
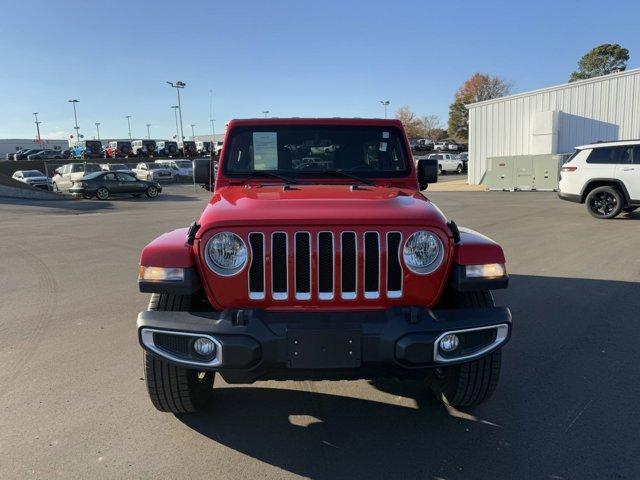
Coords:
193,135
128,117
178,85
75,116
98,129
175,111
35,114
265,112
148,131
385,103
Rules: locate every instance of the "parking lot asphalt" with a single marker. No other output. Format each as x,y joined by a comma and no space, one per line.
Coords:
73,403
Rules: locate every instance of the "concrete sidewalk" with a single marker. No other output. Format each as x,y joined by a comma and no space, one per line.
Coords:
457,185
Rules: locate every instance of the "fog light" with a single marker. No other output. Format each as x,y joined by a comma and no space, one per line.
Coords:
204,347
449,342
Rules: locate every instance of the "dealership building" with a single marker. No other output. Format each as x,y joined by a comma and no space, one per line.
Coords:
520,131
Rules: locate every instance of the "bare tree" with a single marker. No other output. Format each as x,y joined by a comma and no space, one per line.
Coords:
412,124
432,123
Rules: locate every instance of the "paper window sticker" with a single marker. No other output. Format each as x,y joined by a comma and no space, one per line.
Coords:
383,146
265,150
385,134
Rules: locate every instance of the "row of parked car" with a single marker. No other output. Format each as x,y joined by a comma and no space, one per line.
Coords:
71,176
427,145
121,149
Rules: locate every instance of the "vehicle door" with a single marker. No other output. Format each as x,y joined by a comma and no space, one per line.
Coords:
127,183
628,171
141,171
110,181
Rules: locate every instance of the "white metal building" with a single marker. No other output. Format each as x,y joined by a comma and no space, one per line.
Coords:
554,120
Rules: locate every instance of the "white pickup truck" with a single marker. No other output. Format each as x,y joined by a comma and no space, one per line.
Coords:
448,162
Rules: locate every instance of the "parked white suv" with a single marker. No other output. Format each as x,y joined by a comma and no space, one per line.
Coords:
183,169
604,176
154,172
448,162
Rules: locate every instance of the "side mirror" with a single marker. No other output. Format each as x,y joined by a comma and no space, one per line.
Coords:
427,172
202,171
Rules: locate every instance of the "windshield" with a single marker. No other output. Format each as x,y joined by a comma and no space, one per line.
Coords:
32,173
92,167
305,150
155,166
183,163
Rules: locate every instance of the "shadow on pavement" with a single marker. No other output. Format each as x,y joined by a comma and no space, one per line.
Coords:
565,404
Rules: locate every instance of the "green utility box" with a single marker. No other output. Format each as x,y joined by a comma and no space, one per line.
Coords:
524,172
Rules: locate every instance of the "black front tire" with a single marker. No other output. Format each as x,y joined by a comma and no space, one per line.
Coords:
604,202
171,388
471,383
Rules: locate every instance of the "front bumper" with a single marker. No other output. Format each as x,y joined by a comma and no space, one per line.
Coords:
253,344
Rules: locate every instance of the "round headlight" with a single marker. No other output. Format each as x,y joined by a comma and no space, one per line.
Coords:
423,252
226,253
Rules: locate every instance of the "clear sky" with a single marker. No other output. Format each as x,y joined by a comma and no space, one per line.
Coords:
293,57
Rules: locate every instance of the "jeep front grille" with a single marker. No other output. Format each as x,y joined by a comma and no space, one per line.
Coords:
325,265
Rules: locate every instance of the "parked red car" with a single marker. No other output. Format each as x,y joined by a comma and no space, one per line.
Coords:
317,257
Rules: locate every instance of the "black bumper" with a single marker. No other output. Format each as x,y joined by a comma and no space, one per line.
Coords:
259,345
570,197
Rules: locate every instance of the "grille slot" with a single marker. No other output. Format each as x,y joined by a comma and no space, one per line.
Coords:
279,274
256,271
371,265
303,265
394,270
349,266
325,265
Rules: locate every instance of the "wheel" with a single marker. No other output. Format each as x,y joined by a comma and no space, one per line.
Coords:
440,170
629,209
102,193
86,197
171,388
604,202
137,195
474,382
54,187
459,169
152,191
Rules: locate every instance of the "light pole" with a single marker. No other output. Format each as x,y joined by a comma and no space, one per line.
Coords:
128,117
178,85
148,131
175,111
385,103
75,116
266,113
193,135
35,114
98,129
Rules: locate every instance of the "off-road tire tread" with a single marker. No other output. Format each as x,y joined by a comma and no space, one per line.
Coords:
474,382
172,388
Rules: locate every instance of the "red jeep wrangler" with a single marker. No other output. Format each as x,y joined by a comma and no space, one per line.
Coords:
318,258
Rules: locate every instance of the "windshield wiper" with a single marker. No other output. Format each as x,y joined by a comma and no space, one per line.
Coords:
342,173
269,174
